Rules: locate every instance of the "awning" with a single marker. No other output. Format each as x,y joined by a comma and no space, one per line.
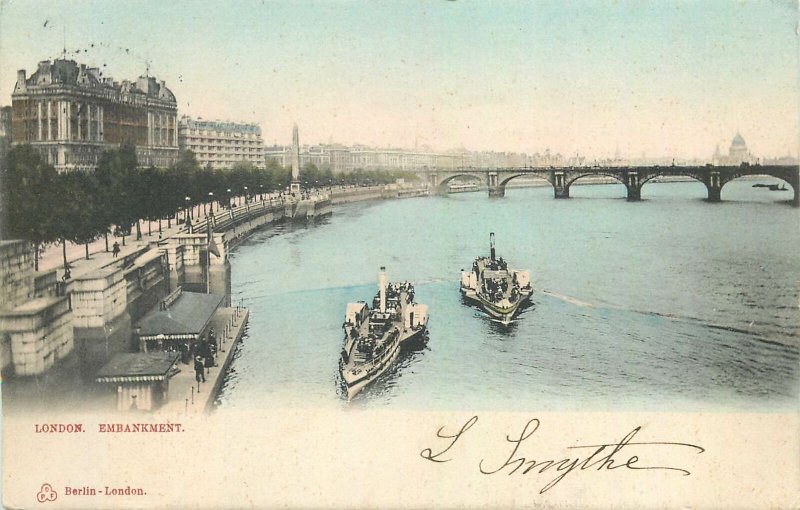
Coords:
184,318
139,367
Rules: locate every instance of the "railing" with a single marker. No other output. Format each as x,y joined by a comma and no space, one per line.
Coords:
237,215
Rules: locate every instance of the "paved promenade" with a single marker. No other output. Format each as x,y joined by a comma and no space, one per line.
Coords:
52,257
184,397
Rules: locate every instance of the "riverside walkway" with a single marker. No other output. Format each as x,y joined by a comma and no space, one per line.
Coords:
53,258
186,395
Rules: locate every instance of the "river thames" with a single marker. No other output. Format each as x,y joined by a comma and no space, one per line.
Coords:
671,303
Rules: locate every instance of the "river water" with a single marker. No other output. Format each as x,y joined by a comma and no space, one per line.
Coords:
671,303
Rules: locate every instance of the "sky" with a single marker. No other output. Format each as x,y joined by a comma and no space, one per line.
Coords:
666,78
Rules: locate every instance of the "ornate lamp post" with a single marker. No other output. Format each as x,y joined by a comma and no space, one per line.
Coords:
245,195
211,201
261,186
229,198
186,199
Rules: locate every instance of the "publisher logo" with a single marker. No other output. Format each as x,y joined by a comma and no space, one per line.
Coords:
46,493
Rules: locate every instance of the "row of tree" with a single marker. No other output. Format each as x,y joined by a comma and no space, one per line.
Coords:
313,177
43,206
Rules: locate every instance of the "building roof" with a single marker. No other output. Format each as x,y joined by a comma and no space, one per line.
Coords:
223,126
68,72
138,367
187,315
738,141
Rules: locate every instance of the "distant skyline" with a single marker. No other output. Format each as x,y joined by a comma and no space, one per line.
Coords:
664,79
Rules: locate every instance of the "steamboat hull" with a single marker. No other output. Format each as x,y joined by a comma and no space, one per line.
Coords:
504,314
355,383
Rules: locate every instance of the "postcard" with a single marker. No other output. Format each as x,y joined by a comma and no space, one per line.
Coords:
427,254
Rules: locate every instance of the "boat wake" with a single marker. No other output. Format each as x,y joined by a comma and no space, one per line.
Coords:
568,299
675,317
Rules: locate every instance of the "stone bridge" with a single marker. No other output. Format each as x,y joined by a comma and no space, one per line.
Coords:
632,177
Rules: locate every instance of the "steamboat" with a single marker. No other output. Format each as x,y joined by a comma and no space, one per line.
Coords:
499,290
374,336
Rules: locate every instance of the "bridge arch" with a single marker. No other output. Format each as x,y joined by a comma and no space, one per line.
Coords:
542,177
539,176
656,175
783,178
572,178
666,173
534,175
444,181
439,180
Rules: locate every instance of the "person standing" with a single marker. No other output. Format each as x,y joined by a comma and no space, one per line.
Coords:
209,356
212,336
115,249
199,373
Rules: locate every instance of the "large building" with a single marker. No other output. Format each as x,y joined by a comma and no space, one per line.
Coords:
737,154
221,144
5,144
72,113
342,159
5,132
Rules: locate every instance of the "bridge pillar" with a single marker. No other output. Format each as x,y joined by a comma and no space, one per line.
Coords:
633,185
794,181
714,187
434,187
495,188
497,191
560,187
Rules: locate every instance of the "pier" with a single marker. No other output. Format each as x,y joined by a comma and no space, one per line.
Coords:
186,395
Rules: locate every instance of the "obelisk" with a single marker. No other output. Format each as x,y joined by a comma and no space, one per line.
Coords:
294,187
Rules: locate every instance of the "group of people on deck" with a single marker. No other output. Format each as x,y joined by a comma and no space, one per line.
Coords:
495,289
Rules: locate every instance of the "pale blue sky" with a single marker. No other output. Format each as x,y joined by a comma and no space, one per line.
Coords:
665,78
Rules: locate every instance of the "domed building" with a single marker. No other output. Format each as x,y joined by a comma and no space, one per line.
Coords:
737,154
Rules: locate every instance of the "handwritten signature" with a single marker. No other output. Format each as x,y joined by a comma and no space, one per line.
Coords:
605,456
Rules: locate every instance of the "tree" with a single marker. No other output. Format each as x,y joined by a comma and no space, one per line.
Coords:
116,174
181,179
279,176
149,189
208,181
242,175
30,189
74,212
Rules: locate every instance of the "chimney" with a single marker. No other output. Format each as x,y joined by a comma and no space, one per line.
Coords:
21,78
382,287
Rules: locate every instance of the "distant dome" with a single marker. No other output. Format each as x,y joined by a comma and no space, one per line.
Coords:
738,141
